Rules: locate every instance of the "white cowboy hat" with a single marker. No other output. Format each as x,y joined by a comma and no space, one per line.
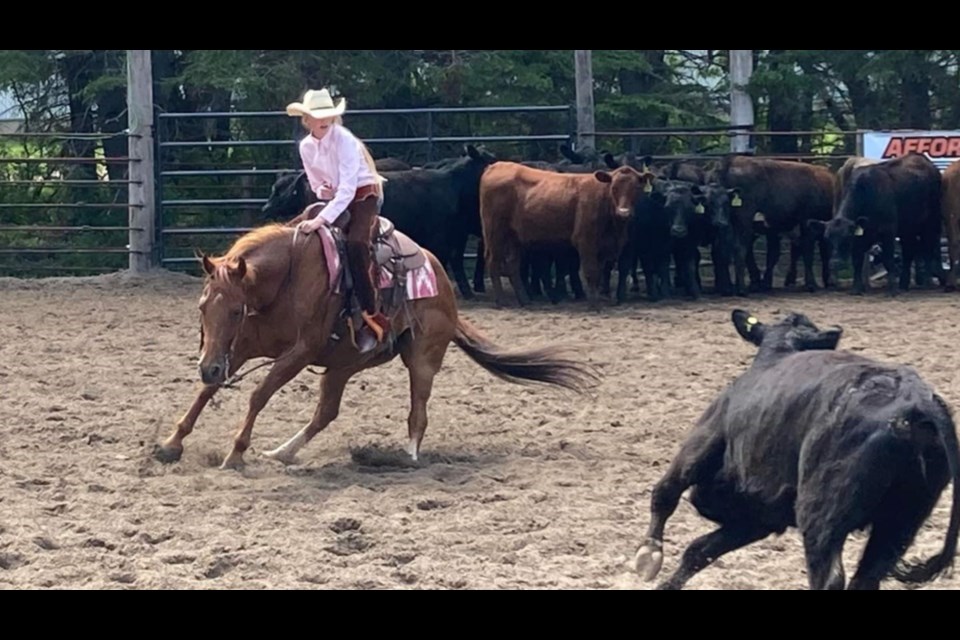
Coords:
318,104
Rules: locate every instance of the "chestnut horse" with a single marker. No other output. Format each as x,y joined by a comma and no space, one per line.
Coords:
270,297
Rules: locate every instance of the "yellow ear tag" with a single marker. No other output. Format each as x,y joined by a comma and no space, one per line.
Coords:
759,217
700,210
647,187
736,202
858,232
752,322
644,168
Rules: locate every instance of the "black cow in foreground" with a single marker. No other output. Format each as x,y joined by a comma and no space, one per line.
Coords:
822,440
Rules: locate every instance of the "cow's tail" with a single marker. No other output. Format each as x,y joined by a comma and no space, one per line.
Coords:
937,412
547,365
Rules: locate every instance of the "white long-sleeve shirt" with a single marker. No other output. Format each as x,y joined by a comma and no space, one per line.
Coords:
336,168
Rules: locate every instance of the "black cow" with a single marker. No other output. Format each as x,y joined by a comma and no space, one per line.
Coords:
718,200
649,243
826,441
391,164
437,208
775,198
899,198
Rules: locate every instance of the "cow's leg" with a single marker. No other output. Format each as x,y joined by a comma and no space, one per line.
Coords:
721,269
696,270
530,272
858,254
479,285
513,273
756,278
825,562
606,274
807,248
841,491
902,511
705,550
909,249
887,246
457,249
545,270
591,268
743,245
493,253
826,255
572,262
282,372
698,461
773,257
627,258
791,278
933,233
952,222
686,266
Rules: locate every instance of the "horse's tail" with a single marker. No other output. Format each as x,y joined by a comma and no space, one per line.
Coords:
546,365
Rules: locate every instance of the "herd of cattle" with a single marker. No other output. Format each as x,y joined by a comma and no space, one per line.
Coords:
544,224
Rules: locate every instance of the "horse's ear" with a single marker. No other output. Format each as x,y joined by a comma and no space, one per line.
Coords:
208,265
241,268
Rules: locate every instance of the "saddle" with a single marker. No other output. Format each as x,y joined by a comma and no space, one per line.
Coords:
393,252
396,251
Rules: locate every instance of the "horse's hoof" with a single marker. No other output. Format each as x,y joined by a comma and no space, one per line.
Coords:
233,462
648,561
280,456
167,454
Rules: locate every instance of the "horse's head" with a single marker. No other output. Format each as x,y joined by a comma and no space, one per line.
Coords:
223,309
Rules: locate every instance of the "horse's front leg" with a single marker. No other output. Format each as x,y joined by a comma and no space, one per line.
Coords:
283,371
172,448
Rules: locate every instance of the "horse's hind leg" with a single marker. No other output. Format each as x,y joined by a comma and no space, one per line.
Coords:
172,448
423,357
280,374
332,384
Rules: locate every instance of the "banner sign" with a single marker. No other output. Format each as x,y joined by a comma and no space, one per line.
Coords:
942,147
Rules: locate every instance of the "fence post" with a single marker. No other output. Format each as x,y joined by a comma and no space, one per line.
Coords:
142,197
586,123
741,104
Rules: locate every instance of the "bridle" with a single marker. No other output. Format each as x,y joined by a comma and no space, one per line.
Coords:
221,274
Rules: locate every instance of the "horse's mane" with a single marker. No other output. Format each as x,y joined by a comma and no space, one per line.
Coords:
246,245
256,239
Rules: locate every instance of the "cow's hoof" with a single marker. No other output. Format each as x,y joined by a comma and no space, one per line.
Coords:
648,561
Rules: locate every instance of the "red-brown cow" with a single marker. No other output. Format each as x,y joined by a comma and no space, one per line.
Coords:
950,202
521,206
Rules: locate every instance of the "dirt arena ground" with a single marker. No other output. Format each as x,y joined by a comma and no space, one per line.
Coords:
518,487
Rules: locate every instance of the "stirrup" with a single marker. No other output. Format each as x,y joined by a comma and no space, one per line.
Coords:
373,321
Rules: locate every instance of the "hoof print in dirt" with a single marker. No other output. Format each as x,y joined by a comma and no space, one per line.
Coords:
343,525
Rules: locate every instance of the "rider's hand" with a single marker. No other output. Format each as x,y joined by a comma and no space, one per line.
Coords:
309,226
